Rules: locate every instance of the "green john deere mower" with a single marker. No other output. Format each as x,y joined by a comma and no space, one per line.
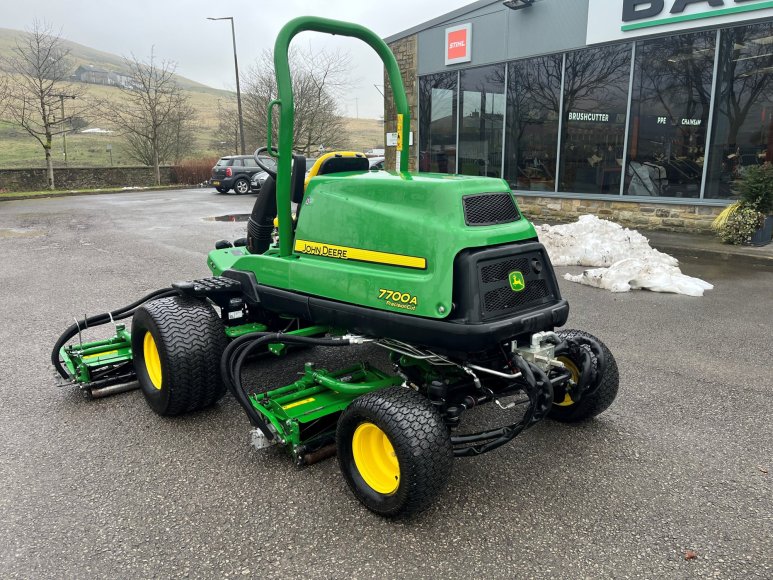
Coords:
441,271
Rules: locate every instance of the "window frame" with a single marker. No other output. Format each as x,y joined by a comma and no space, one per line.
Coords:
620,196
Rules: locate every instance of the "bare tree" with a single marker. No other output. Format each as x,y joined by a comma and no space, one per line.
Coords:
318,80
35,87
437,122
596,78
155,115
3,95
226,136
174,141
745,75
533,99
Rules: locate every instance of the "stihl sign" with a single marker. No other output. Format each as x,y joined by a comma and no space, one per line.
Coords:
458,44
610,20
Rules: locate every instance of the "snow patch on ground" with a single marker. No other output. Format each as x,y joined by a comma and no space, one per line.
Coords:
623,258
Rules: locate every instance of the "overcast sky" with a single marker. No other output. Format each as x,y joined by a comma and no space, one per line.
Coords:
202,49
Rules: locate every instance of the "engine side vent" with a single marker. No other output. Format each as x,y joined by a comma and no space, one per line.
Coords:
508,281
503,298
499,298
489,209
499,270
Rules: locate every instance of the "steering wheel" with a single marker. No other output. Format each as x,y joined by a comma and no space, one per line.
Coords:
260,150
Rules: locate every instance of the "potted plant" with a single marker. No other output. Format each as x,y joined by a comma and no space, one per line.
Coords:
748,221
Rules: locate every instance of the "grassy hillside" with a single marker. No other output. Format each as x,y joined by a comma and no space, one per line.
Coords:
84,55
18,149
365,133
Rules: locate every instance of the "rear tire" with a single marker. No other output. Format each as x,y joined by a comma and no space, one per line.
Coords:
222,189
590,405
177,344
394,451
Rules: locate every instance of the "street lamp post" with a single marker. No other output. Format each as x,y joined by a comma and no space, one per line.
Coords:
62,97
238,91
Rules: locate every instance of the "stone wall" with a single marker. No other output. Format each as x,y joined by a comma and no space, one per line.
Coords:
406,54
84,178
644,215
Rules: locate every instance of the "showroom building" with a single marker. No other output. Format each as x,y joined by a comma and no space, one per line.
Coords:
644,111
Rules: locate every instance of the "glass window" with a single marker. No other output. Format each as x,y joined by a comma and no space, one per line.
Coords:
437,122
595,103
269,162
250,162
742,128
669,114
533,98
481,119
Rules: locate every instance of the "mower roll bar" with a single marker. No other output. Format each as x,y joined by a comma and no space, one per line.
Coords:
287,107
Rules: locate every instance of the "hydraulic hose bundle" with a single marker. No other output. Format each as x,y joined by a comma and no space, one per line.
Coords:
538,389
98,320
237,352
584,349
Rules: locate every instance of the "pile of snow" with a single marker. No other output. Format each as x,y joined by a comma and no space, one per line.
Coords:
96,130
624,258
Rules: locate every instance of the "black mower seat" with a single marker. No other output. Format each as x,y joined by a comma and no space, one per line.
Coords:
338,162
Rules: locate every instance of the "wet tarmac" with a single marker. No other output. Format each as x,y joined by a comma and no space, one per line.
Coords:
681,461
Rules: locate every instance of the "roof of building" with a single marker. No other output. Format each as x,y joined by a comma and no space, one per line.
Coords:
91,68
448,17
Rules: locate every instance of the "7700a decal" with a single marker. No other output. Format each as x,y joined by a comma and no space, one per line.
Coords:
398,299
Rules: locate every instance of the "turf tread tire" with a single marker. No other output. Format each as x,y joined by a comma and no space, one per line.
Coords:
599,401
190,339
421,442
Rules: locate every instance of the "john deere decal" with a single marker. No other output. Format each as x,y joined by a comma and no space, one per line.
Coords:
517,283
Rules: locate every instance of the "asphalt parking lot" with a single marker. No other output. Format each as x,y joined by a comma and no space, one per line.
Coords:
681,461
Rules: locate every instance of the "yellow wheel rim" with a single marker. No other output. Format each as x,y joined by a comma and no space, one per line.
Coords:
375,459
575,372
152,360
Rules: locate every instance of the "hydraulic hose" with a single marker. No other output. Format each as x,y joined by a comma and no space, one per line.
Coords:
260,225
236,354
100,319
540,393
599,368
583,350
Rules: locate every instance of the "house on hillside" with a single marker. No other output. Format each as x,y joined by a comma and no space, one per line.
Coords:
97,76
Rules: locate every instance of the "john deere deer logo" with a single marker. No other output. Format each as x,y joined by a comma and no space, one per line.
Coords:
517,283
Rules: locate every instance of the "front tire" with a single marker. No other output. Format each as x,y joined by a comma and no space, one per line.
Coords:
567,411
177,344
394,451
241,186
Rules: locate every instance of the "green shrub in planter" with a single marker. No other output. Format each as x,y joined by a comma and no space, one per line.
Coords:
740,225
740,221
756,188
